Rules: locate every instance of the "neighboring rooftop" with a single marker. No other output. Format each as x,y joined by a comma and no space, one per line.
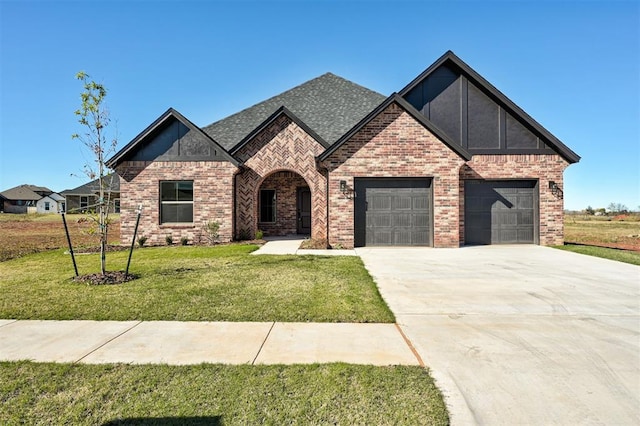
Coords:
112,184
329,105
26,192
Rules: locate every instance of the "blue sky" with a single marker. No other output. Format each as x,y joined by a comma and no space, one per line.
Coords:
574,66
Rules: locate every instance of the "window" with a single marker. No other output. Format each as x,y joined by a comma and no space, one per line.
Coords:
176,201
267,205
46,206
84,203
116,205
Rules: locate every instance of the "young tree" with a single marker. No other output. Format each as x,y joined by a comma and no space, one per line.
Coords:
94,117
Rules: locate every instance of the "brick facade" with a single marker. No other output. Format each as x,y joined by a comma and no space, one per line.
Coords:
282,156
281,146
393,144
543,168
212,198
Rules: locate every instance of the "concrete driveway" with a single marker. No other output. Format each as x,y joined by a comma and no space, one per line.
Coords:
520,334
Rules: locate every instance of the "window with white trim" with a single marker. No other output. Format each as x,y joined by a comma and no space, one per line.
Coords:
176,201
47,205
84,203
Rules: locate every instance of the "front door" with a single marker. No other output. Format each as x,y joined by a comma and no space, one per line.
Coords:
304,210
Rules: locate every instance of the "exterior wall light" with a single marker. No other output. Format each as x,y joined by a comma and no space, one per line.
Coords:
555,189
350,193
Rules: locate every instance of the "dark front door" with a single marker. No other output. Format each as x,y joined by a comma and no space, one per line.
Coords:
304,211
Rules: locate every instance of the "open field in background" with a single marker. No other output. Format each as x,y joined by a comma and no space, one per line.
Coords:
622,232
22,234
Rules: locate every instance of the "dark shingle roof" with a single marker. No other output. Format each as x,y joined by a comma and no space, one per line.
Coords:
24,192
329,105
91,188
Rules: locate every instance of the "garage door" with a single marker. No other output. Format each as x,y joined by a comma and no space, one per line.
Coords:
500,212
393,212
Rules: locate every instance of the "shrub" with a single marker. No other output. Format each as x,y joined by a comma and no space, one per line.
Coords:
142,240
169,239
212,231
184,241
259,234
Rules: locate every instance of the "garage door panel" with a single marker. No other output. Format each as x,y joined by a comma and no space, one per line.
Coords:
500,212
402,202
390,211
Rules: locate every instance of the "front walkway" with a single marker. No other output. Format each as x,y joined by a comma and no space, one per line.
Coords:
178,343
291,245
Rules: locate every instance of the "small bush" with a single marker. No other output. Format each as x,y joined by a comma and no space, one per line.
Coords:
212,231
259,234
184,241
169,239
142,240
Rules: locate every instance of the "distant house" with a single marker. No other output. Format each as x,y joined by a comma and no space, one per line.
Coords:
31,199
85,197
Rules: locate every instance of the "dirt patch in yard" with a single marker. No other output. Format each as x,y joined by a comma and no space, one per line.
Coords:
25,234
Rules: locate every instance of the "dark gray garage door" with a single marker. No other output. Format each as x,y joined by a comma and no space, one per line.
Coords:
393,212
500,212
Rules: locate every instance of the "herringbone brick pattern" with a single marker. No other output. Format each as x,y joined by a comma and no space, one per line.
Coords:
281,146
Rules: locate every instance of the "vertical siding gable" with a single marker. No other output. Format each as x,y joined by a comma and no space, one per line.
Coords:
471,117
176,142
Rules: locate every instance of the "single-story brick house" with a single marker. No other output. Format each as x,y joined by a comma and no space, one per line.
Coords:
446,161
86,196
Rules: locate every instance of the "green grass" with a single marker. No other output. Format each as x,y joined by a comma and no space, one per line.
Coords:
221,283
632,257
33,393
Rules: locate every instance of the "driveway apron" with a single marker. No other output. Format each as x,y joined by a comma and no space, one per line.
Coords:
520,334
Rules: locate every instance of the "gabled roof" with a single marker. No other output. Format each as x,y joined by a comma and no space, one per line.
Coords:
450,58
24,192
93,187
171,113
395,98
329,105
280,111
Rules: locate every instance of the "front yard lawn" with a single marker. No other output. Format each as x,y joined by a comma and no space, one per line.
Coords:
212,394
223,283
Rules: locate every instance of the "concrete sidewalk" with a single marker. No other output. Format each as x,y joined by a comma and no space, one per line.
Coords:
178,343
291,245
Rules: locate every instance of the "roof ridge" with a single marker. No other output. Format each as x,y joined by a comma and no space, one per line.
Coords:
288,91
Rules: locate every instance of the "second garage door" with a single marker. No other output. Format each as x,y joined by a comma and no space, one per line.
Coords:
500,212
393,212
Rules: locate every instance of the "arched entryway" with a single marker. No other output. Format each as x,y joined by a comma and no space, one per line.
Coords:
284,204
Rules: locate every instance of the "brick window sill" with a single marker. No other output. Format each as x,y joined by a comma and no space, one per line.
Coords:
177,225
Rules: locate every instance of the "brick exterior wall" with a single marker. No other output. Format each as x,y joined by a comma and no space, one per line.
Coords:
212,198
286,185
393,144
543,168
281,146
